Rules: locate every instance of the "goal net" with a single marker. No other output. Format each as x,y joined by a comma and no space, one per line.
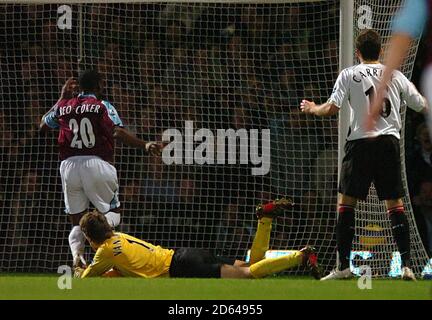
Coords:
187,72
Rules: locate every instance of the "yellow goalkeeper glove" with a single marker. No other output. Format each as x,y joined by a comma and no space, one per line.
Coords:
78,271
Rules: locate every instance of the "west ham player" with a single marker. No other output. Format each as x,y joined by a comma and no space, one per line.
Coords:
87,129
371,155
132,257
407,26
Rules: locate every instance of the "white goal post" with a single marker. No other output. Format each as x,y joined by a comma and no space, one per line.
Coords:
188,65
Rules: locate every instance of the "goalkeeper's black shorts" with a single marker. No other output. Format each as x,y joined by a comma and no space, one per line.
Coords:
197,263
374,160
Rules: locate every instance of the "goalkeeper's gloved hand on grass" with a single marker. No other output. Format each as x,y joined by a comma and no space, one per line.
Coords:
78,271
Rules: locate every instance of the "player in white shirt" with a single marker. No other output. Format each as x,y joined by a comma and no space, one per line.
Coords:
370,155
405,30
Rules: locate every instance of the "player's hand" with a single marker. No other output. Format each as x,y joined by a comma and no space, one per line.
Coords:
375,109
369,123
70,89
78,271
372,117
307,106
154,148
79,261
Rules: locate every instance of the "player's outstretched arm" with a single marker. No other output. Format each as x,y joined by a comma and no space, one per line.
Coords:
131,140
42,125
49,119
405,30
69,90
398,49
325,110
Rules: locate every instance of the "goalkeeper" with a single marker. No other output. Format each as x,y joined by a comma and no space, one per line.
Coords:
127,256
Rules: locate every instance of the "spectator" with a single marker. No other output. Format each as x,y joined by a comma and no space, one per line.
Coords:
28,197
29,71
50,34
6,137
154,187
296,148
133,202
419,172
324,173
235,243
424,203
149,123
420,165
178,21
150,64
63,70
240,119
125,99
187,190
288,86
226,225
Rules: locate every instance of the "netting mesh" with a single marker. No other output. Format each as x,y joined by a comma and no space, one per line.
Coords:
221,66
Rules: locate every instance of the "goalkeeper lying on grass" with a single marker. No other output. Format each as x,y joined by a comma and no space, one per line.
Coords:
130,257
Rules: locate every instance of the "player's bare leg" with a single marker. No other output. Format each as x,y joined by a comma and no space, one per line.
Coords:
235,272
77,240
241,263
269,266
401,235
345,230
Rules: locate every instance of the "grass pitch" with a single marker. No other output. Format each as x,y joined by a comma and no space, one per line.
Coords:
41,287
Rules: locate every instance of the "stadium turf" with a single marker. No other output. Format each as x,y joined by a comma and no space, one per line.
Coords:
276,288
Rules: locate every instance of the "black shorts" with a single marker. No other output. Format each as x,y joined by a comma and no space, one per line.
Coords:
374,160
197,263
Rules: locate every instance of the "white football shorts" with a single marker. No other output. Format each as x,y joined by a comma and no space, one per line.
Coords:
88,179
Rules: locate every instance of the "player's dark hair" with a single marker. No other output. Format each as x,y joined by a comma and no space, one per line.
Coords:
89,80
96,227
369,43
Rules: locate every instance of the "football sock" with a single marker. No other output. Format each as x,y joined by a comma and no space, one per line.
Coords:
261,241
400,230
268,207
113,218
269,266
345,230
76,241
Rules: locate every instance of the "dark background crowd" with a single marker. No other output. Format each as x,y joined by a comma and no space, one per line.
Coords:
220,66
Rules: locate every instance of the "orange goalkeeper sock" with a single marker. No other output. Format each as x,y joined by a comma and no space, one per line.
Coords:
274,265
261,241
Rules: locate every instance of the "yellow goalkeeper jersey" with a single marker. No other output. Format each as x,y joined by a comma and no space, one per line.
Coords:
131,257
